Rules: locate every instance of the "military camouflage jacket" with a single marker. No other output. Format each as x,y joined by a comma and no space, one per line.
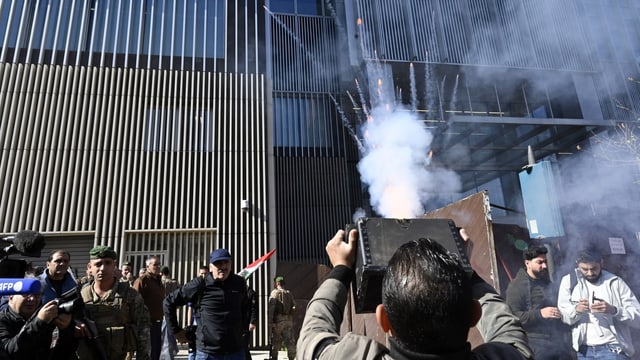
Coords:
122,321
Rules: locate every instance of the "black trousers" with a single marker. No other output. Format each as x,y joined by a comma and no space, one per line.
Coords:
156,339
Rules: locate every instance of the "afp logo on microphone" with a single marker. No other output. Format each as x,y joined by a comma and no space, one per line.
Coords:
19,286
8,286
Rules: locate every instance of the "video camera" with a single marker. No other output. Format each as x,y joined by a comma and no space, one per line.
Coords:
70,302
379,238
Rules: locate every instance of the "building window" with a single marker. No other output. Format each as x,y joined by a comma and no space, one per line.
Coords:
68,32
178,130
299,7
302,122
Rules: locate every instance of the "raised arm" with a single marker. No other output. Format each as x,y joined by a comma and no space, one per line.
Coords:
498,323
320,333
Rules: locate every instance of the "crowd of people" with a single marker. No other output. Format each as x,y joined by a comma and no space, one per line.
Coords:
588,315
111,314
429,303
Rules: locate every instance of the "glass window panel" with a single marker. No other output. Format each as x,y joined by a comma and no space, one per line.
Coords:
71,21
309,7
217,17
283,6
178,130
98,17
151,31
537,100
15,21
37,28
301,122
177,29
512,101
483,99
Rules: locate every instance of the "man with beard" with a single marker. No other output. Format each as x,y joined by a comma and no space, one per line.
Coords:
532,297
600,307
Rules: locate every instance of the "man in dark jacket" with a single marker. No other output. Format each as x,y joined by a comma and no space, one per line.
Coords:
428,305
221,300
26,328
150,287
58,282
532,297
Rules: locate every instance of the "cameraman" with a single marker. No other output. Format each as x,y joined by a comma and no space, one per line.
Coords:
26,327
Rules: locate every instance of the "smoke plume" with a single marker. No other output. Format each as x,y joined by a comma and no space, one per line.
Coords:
395,163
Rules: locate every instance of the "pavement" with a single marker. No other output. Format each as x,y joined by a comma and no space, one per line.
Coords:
255,355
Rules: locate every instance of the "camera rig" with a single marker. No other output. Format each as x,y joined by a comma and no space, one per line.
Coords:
378,239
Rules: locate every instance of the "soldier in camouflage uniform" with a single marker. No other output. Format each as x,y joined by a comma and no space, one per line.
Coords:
121,318
281,310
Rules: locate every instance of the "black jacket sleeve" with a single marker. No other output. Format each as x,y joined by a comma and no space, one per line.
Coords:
181,296
29,341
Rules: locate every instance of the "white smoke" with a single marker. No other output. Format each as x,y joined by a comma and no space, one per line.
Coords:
396,165
360,212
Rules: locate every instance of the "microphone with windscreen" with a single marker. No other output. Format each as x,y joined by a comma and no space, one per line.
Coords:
26,243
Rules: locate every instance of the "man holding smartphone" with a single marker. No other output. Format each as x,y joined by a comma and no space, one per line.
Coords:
600,307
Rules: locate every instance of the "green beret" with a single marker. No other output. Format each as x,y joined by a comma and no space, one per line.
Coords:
279,279
101,252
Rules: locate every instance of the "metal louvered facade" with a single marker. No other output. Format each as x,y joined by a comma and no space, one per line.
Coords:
141,125
476,32
314,193
120,151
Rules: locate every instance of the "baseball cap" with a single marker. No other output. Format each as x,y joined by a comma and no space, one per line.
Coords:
219,254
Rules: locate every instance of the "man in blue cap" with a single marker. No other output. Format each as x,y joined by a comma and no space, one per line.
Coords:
221,302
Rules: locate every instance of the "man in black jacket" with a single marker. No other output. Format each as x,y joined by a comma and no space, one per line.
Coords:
221,300
26,328
532,297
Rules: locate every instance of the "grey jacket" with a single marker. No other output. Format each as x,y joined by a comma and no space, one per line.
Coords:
320,338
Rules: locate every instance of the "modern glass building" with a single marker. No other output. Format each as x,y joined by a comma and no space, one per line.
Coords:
145,124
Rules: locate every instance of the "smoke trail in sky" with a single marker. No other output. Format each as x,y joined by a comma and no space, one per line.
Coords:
414,89
430,91
454,95
347,125
441,92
